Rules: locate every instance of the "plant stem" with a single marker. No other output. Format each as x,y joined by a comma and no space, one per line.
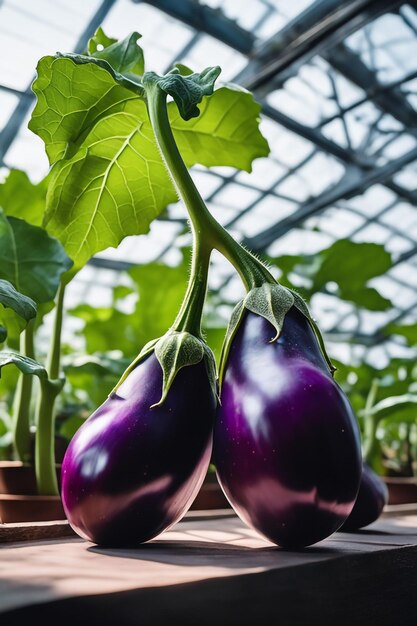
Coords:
207,231
21,408
190,313
50,388
370,445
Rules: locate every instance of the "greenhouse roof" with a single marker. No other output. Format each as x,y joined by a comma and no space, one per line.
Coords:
338,86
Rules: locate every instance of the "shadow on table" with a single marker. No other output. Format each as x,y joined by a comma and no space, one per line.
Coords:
195,553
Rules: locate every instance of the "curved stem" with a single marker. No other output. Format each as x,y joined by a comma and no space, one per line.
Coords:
21,408
45,432
207,230
190,313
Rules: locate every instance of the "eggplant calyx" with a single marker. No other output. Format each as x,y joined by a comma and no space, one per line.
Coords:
272,302
174,351
301,305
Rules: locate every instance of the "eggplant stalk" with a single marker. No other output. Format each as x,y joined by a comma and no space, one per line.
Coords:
208,233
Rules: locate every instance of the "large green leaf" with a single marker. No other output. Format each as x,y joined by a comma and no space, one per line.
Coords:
19,197
30,259
114,186
71,98
110,180
409,331
351,265
23,363
366,298
225,133
347,264
10,298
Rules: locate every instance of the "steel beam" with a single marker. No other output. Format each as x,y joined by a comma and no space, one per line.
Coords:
208,20
349,64
320,27
354,182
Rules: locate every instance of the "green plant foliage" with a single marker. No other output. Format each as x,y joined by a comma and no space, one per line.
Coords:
397,409
23,363
159,289
30,259
187,90
10,298
348,265
19,197
408,331
5,434
109,180
99,39
125,56
92,377
18,310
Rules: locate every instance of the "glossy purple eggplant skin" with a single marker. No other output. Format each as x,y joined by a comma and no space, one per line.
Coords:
132,471
372,497
286,442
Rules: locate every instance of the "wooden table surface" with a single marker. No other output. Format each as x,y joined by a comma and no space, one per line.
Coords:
215,571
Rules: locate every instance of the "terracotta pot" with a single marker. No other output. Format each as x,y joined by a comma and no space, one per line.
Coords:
402,489
210,496
15,508
19,501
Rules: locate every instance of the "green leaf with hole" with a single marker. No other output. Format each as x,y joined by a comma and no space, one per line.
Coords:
31,260
125,57
99,41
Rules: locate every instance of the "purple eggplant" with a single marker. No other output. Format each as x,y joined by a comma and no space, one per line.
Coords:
286,442
135,466
372,497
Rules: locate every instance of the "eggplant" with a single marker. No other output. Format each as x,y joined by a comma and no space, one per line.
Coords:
135,466
286,441
372,497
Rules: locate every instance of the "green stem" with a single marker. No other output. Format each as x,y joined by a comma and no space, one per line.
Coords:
21,409
50,388
189,316
207,231
54,356
370,445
